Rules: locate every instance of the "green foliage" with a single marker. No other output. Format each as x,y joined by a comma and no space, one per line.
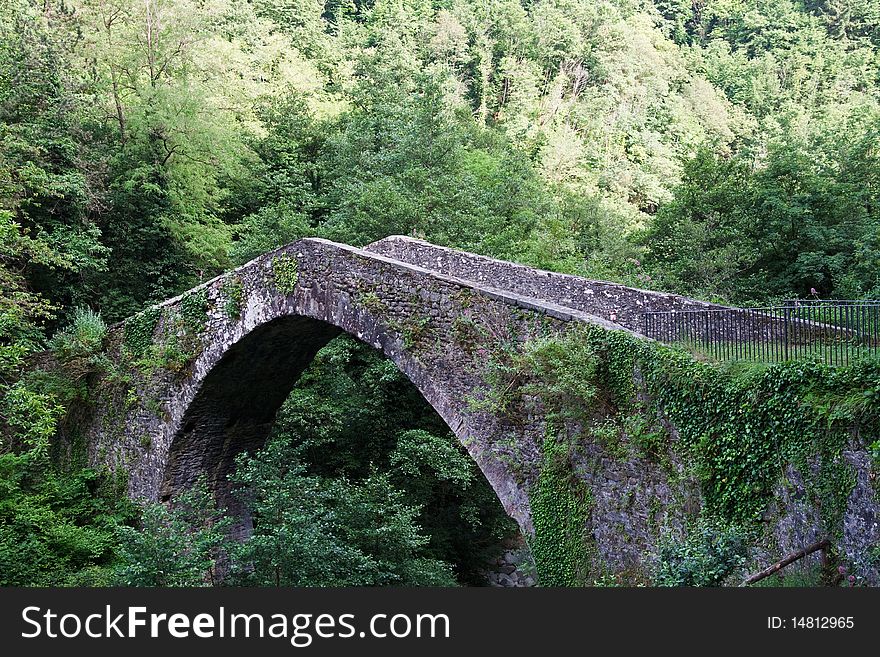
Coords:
729,144
80,350
419,453
139,330
176,546
372,302
795,577
561,507
174,345
743,430
721,149
416,332
285,269
233,290
706,556
737,431
20,308
804,219
353,415
33,414
290,544
561,371
193,311
459,510
83,338
312,531
58,528
50,239
874,448
740,429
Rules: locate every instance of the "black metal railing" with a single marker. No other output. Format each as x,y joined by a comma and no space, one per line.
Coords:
835,332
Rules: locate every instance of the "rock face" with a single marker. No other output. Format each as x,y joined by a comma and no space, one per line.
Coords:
231,350
513,568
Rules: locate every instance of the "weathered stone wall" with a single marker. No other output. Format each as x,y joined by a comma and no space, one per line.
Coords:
617,303
637,499
513,567
611,301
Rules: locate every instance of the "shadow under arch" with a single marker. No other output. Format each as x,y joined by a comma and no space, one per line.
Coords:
237,402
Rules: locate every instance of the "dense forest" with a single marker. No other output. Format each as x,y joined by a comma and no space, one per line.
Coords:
723,149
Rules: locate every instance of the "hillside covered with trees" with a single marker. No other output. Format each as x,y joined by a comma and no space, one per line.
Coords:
724,149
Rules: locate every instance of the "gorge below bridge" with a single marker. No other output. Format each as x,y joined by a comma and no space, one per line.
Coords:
233,348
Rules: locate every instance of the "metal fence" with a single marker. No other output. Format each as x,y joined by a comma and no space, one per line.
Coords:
833,331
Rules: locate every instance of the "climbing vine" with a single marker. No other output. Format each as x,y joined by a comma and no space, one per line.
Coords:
177,342
739,426
743,428
285,269
233,290
561,506
741,431
138,332
194,311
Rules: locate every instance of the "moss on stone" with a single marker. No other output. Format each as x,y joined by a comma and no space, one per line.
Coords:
138,331
285,270
233,290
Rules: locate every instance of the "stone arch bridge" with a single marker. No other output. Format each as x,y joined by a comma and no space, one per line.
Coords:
202,375
192,382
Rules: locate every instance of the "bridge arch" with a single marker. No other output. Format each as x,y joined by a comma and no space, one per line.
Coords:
259,326
234,405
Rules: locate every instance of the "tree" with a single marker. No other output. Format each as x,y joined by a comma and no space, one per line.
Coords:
57,526
697,243
312,531
48,184
181,545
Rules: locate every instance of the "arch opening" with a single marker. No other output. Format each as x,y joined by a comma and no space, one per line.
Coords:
236,408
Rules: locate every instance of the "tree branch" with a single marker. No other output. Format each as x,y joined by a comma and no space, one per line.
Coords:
824,544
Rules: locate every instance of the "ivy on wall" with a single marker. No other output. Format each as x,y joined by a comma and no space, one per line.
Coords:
138,331
561,506
285,269
194,310
233,291
743,427
740,428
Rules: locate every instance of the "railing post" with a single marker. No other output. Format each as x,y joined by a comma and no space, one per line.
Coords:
787,318
706,329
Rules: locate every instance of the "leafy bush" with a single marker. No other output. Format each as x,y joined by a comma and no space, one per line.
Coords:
177,546
319,531
560,371
564,374
57,528
707,556
83,338
32,415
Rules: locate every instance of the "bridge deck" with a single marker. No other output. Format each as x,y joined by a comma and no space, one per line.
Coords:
619,304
